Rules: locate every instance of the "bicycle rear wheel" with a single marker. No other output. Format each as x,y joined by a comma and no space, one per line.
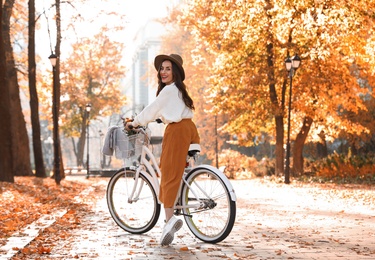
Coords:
138,214
213,219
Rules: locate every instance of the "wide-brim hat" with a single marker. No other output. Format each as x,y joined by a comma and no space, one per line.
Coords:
175,58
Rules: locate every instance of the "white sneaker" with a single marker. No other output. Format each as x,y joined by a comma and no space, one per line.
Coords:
173,225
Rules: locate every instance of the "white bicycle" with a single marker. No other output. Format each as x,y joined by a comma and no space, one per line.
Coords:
206,198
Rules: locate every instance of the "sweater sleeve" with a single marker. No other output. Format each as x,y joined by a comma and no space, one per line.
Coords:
168,106
149,113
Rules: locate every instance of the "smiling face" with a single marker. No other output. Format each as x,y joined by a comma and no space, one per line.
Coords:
166,72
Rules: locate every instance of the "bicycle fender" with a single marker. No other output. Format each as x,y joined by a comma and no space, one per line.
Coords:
221,175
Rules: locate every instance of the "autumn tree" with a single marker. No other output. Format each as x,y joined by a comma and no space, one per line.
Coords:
56,101
251,39
6,161
19,138
34,102
334,70
91,75
69,20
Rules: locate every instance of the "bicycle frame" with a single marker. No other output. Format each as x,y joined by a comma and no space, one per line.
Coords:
150,169
152,176
206,199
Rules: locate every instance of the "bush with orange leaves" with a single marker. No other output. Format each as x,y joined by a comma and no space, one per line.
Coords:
347,168
240,166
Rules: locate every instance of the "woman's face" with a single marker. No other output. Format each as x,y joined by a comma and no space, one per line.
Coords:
166,72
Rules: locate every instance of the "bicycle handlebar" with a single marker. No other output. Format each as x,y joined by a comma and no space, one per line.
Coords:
131,127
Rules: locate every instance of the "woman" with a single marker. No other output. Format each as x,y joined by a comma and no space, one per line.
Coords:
174,107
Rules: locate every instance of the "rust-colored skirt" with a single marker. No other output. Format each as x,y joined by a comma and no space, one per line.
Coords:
176,141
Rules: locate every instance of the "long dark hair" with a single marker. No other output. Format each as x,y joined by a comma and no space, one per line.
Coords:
180,85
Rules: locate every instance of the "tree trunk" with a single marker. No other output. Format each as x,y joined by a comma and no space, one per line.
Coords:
75,150
279,169
20,140
34,104
353,148
279,150
298,146
322,146
6,162
62,168
57,75
276,107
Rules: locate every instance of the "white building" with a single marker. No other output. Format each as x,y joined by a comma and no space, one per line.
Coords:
141,84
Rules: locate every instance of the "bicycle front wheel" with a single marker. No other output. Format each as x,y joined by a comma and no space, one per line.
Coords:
208,209
136,213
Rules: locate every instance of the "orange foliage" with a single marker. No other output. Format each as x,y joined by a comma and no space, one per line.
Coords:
28,198
230,43
237,165
347,168
91,75
239,33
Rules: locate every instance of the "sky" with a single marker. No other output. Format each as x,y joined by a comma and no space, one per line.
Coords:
137,13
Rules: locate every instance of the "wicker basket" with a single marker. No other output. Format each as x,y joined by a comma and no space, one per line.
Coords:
130,147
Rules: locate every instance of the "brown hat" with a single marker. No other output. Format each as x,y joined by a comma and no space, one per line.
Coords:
175,58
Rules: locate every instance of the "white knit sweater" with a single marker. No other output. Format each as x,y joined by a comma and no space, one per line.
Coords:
168,106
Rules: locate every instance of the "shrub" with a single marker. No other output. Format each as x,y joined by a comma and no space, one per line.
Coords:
347,168
240,166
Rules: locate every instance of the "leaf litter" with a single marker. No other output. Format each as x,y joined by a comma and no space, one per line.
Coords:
29,198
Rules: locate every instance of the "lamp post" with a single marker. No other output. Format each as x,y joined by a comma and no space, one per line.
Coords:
55,115
88,109
101,135
291,65
216,144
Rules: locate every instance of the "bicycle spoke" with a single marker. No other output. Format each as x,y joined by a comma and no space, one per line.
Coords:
134,207
207,206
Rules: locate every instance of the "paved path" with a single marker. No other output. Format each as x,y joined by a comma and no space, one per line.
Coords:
273,222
